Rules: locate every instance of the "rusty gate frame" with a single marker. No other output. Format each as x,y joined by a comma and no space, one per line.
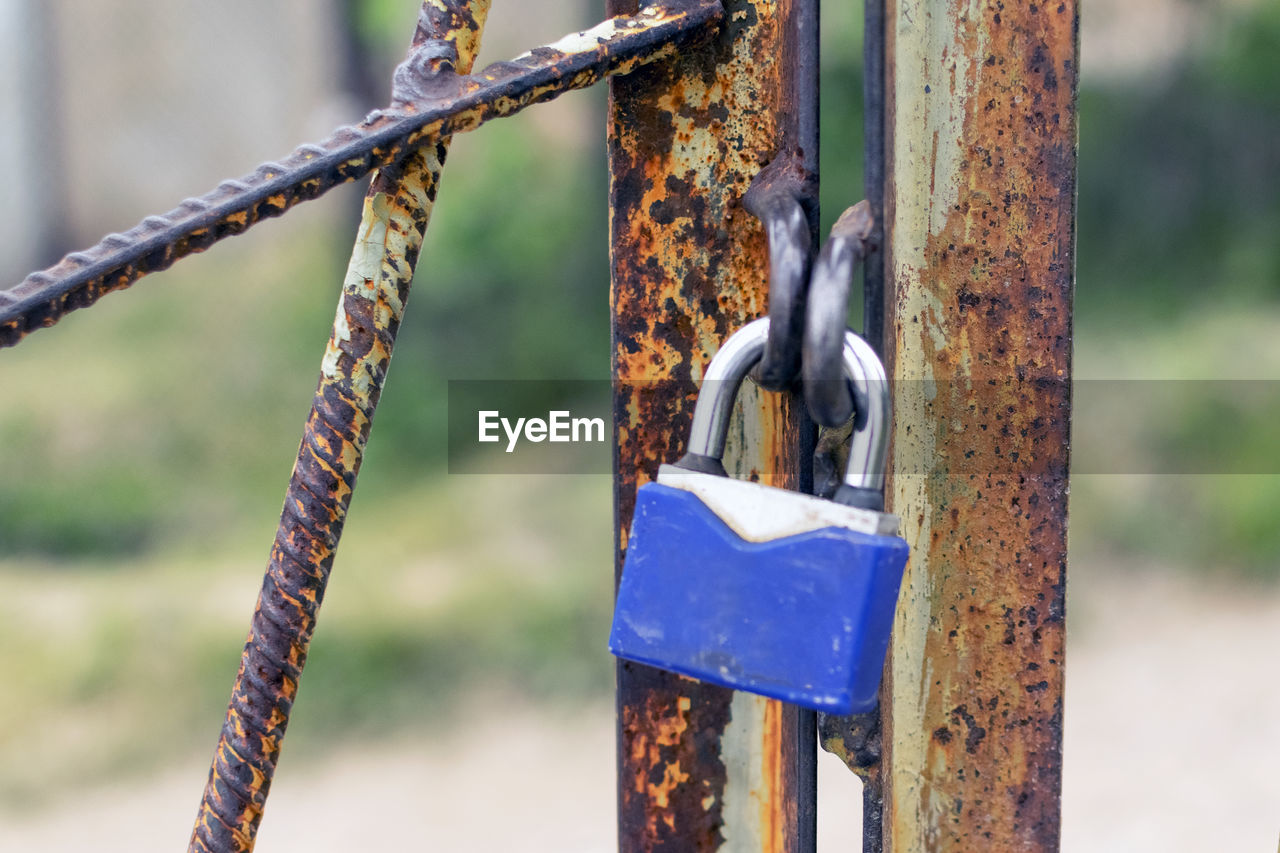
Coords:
970,171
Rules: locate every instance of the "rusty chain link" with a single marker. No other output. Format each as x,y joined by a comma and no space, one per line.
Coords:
808,306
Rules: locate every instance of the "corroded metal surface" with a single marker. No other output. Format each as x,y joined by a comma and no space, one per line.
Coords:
855,740
355,364
448,103
701,767
981,169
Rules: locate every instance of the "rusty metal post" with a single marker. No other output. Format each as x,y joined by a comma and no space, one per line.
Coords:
980,209
701,767
355,364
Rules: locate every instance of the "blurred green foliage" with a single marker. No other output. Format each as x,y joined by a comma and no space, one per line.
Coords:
1179,202
1178,277
124,664
514,277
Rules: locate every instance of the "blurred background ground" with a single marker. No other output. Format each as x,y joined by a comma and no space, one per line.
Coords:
459,669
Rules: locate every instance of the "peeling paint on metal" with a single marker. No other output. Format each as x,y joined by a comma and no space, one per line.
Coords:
689,267
356,359
981,159
753,820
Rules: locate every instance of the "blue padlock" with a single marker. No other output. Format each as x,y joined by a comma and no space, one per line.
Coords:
757,588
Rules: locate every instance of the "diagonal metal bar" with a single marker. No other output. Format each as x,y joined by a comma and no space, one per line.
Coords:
449,103
396,211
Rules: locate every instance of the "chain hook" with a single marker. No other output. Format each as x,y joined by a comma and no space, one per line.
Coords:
826,392
808,301
774,198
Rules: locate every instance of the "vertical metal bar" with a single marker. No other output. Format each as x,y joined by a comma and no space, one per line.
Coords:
700,767
866,757
355,364
856,739
980,208
873,170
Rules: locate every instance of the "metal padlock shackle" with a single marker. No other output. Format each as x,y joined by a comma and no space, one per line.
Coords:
863,484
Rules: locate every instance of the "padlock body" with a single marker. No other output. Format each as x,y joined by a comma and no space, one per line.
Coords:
803,617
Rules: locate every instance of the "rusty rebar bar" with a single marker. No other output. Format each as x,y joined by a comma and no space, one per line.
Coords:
450,103
396,210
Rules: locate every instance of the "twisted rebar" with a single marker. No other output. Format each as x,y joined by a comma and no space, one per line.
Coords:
396,210
423,108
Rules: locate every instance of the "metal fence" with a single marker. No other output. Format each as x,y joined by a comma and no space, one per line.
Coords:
970,153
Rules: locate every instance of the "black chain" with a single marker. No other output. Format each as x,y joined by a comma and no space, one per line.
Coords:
774,198
808,308
826,392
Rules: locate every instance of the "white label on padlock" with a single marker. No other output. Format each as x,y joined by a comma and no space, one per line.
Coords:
756,512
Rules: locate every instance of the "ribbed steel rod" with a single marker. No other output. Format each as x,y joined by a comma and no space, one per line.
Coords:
444,104
355,364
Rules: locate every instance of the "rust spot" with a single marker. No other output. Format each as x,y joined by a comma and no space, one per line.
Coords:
668,758
316,503
689,267
985,312
774,816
